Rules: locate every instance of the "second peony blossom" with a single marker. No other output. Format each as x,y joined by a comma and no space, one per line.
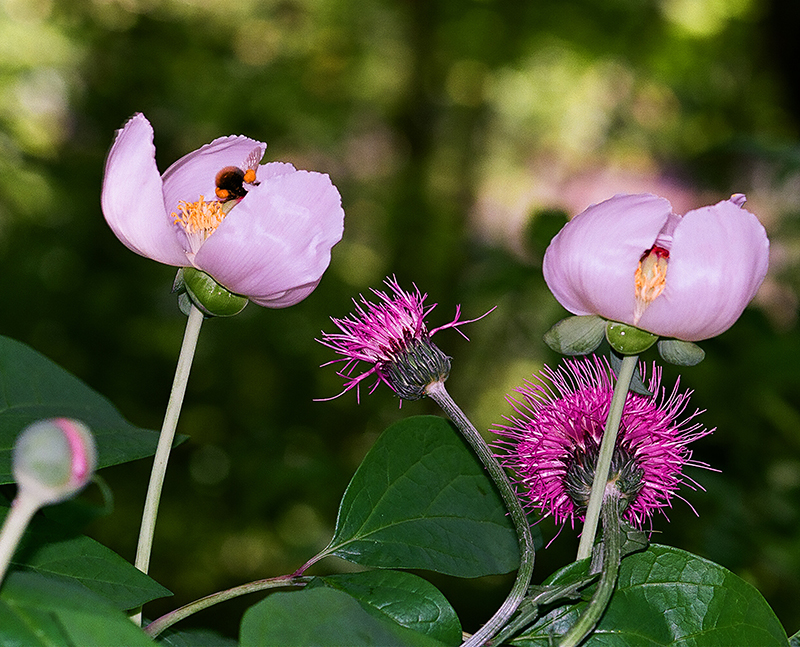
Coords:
261,231
631,259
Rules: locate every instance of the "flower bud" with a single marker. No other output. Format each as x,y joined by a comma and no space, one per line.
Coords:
54,459
209,296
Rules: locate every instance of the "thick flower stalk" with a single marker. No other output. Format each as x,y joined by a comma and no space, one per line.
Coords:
263,231
553,441
630,259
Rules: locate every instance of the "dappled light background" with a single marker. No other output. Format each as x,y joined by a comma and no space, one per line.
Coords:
461,134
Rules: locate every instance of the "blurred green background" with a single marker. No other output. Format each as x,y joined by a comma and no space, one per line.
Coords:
460,134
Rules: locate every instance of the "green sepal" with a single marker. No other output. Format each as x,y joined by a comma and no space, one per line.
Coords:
682,353
628,340
633,541
208,295
576,335
637,384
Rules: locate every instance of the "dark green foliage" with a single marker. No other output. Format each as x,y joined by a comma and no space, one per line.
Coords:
39,611
33,388
421,499
668,597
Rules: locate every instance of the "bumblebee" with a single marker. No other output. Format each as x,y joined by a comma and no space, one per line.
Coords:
230,181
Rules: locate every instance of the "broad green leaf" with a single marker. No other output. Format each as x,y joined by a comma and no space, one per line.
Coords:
405,598
194,638
51,549
322,617
38,611
421,499
32,387
668,597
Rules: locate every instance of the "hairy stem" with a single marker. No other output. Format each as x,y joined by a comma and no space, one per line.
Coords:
437,392
169,619
612,543
166,439
604,458
19,516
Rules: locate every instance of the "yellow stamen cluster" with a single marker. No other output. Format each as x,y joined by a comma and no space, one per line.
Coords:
199,217
651,279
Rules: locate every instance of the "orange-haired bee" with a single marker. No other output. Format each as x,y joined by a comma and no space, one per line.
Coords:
230,180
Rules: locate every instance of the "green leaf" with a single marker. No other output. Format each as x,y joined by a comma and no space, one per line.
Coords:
53,550
576,335
194,638
32,387
421,499
322,617
668,597
38,611
406,599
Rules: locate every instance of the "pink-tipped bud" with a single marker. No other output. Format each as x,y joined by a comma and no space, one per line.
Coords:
54,459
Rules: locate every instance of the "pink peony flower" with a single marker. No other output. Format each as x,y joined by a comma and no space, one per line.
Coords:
630,259
553,442
393,337
261,231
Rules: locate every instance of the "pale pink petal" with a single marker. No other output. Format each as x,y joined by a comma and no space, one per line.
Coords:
277,240
193,174
132,198
591,263
718,260
288,298
273,169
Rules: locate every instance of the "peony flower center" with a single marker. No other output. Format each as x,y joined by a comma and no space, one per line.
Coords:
199,220
651,279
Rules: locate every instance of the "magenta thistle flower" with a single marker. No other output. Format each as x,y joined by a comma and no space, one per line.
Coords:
263,231
631,259
391,336
553,442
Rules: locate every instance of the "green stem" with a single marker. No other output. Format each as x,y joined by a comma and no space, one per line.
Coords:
612,554
437,392
19,516
166,439
169,619
606,453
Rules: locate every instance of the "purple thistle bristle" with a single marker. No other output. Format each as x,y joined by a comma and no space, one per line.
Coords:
553,441
393,337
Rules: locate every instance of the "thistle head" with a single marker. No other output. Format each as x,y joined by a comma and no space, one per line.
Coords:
392,337
552,442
